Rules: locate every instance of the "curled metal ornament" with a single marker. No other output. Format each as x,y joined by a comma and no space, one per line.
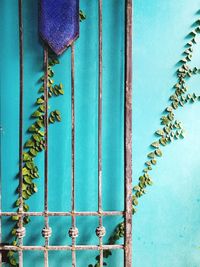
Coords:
73,232
21,232
100,231
47,232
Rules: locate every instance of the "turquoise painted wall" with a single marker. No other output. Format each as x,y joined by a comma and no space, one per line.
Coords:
166,226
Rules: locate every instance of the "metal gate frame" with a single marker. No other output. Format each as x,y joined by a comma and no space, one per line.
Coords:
127,213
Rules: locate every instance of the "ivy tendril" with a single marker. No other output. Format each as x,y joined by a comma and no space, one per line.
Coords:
32,147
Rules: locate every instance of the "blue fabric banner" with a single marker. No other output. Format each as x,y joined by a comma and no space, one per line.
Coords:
59,23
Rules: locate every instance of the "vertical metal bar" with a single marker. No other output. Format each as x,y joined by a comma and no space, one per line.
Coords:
128,137
73,155
46,230
1,135
100,128
21,103
1,159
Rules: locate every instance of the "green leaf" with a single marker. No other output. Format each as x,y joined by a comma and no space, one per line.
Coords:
42,108
37,137
15,218
155,144
182,134
141,179
10,253
169,109
51,119
17,202
25,171
36,114
135,201
164,120
170,116
52,114
40,100
26,157
24,187
26,219
167,130
30,165
40,123
158,152
29,143
160,132
175,105
55,91
41,90
61,86
28,191
151,155
26,207
58,118
25,195
149,182
13,261
27,179
51,81
133,210
32,128
184,60
41,133
146,175
34,187
57,112
36,175
50,73
61,91
136,188
82,17
163,141
14,243
33,152
153,161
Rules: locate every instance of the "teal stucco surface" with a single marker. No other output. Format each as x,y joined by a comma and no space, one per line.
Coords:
166,225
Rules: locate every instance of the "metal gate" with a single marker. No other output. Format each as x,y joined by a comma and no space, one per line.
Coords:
100,213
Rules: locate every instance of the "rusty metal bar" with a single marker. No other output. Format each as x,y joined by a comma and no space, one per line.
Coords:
73,232
61,248
128,137
46,232
1,132
72,131
21,229
100,112
100,231
57,213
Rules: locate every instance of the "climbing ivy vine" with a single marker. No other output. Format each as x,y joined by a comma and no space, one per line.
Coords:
36,144
33,146
171,129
